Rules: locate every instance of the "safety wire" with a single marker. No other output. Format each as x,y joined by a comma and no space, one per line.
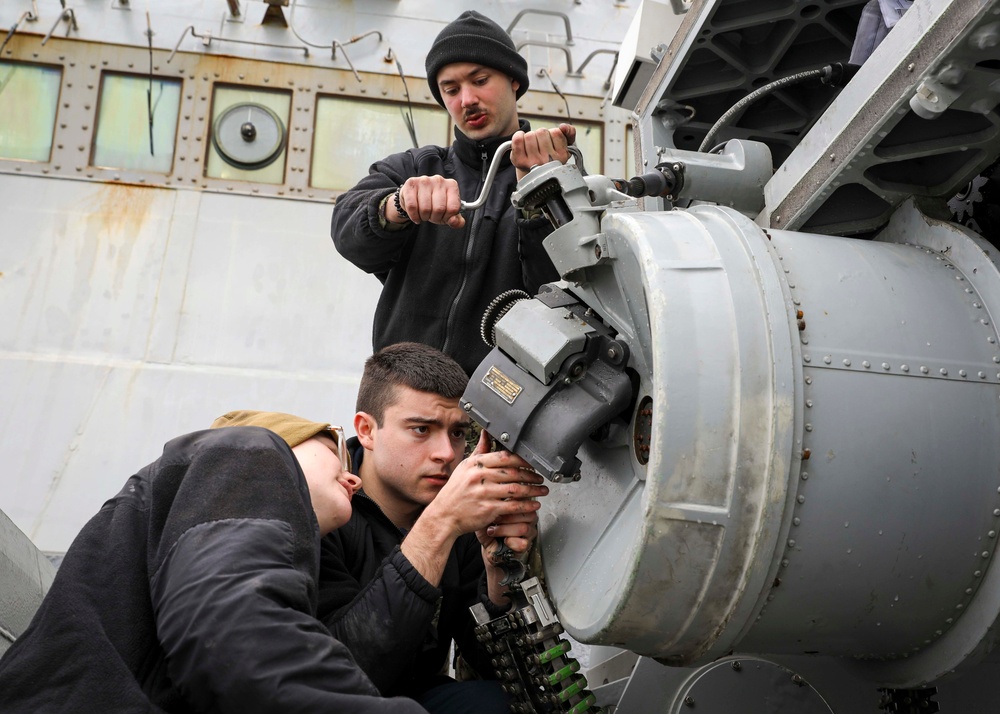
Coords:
545,72
5,80
149,90
30,16
408,112
333,45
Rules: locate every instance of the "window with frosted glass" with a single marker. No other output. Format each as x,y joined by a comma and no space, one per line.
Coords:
29,97
589,139
249,134
125,137
351,135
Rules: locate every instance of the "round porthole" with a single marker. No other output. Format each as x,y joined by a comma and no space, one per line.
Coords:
248,135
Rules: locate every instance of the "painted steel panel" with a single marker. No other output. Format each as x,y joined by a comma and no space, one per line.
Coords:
133,314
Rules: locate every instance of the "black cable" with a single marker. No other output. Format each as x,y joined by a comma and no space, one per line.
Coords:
751,98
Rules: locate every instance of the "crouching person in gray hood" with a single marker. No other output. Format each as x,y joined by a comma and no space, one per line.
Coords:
195,588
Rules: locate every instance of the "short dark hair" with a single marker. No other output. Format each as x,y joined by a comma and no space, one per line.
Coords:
407,364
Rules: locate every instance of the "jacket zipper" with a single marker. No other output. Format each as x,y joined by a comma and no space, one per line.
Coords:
476,215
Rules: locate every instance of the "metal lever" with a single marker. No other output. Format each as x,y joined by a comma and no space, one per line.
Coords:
490,175
495,166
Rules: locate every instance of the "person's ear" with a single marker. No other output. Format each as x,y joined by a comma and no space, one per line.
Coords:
514,85
365,427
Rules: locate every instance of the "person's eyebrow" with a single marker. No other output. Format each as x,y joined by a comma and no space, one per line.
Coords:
429,421
474,71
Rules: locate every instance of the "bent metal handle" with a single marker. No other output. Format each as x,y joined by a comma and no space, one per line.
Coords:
490,175
495,166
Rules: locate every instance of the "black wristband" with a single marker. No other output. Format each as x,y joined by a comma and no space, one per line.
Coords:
398,205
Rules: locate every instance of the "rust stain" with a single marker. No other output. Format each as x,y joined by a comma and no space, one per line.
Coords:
238,71
117,216
121,210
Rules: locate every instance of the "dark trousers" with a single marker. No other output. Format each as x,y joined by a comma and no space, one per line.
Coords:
477,697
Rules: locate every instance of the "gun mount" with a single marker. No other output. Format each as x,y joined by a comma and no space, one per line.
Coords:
787,446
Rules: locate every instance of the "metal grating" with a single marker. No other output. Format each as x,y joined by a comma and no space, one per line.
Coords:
917,157
844,159
745,44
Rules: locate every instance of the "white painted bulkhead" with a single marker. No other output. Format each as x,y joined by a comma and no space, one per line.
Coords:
138,306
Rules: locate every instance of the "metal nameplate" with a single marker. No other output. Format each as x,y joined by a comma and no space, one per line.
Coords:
502,385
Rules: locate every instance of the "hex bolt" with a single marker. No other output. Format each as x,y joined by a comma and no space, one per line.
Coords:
736,666
689,701
467,406
505,437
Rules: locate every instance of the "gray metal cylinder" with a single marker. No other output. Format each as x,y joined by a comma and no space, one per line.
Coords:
824,474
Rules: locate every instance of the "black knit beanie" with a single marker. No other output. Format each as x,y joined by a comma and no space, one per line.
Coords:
473,37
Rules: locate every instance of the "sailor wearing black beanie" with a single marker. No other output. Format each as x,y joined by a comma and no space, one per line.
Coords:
441,267
473,37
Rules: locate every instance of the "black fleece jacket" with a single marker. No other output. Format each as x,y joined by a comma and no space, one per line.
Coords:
192,590
437,281
397,625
